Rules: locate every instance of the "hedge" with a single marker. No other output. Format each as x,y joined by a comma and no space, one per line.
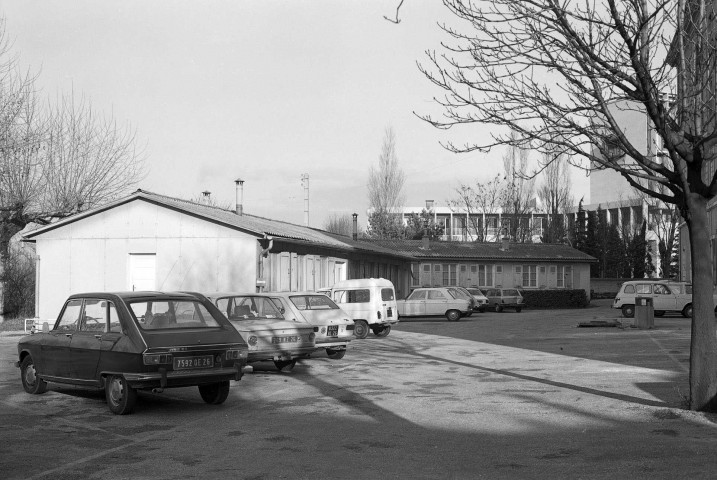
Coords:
555,298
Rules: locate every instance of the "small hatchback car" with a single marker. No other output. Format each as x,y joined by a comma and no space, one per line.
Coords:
502,298
335,329
269,335
124,342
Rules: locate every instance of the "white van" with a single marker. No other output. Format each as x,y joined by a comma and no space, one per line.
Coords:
371,302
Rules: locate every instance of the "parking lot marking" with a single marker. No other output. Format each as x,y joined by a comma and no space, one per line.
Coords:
671,356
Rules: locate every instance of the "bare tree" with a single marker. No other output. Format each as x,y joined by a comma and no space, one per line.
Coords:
341,224
56,160
385,190
482,198
556,72
519,193
555,194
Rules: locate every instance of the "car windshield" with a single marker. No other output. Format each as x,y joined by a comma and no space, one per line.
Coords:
248,306
313,302
171,314
475,291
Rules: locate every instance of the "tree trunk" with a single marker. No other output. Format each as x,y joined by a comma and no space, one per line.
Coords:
7,231
703,345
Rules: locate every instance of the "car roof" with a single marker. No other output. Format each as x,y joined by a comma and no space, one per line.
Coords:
363,282
133,295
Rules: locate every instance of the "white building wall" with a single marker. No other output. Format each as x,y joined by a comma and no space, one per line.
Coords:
92,254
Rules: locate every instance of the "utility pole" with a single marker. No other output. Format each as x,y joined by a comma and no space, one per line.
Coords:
305,184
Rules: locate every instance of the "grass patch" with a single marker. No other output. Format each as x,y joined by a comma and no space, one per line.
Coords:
12,324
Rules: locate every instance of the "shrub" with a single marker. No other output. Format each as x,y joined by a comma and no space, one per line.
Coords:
555,298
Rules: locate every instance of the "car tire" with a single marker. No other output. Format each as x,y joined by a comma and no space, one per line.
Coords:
121,398
360,329
628,311
382,330
518,310
285,365
215,393
453,315
498,308
687,311
31,382
659,313
335,354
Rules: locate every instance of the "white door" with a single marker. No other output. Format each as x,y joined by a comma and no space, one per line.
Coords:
142,271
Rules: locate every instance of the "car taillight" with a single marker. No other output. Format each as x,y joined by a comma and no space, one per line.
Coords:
378,314
156,358
312,336
233,354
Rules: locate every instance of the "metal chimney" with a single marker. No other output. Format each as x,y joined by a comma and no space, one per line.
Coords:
206,196
239,196
354,234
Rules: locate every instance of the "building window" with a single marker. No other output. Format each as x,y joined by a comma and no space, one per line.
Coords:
449,274
565,276
474,268
485,275
530,276
499,269
517,269
426,267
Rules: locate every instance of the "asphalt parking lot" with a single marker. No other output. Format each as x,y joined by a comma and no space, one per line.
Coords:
507,395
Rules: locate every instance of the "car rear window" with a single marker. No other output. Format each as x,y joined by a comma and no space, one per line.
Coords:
387,294
171,314
248,307
313,302
362,295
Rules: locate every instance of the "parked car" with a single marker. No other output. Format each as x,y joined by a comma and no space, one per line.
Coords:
335,329
370,302
124,342
501,298
461,292
480,299
423,302
666,295
268,334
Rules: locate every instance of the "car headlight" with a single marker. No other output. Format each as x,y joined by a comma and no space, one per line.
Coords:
253,340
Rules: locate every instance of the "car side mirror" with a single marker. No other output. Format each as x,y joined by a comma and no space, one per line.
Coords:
45,327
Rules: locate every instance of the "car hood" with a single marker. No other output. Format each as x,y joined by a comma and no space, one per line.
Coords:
191,336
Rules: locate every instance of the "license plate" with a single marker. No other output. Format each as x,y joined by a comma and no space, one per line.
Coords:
332,331
205,361
389,313
290,339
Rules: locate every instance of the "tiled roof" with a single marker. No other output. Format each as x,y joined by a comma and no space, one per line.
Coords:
486,251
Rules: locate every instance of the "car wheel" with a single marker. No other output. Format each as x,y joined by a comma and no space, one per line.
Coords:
382,331
335,354
360,329
628,311
453,315
121,398
30,381
215,393
498,308
659,313
285,365
687,311
518,309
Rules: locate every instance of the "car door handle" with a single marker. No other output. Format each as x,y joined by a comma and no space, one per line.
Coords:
69,335
98,337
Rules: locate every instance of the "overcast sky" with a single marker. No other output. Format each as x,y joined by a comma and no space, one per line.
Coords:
260,90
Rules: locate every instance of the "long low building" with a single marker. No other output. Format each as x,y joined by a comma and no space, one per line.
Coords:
148,241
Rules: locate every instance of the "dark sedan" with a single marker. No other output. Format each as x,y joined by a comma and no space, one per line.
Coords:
129,341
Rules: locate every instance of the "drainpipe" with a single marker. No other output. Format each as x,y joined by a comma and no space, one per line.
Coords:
266,244
354,234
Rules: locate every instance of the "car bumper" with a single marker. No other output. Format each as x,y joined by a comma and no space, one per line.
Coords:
279,354
169,379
